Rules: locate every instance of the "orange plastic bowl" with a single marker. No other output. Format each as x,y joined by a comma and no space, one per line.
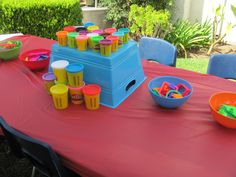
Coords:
216,101
38,64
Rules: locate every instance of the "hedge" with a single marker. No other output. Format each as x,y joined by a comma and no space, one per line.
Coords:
38,17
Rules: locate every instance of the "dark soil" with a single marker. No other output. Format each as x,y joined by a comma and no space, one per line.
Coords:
10,166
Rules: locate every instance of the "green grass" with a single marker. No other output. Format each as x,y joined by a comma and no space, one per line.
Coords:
197,64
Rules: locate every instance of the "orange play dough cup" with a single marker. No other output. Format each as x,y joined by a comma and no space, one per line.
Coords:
115,40
82,41
92,96
62,38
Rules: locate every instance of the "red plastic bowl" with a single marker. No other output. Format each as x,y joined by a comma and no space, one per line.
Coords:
38,64
216,101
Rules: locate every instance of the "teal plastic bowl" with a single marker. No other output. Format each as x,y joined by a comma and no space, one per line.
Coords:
168,102
9,54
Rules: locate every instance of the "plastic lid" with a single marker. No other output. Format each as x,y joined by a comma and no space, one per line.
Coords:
97,38
48,76
82,37
59,89
91,89
98,31
72,34
124,30
70,29
118,34
88,24
105,42
60,64
80,28
110,30
73,68
61,33
113,38
93,28
83,32
92,34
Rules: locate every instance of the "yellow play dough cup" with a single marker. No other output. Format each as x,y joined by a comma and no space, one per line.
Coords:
115,40
105,47
90,35
60,96
91,28
48,81
126,32
95,43
59,70
92,96
75,74
71,39
121,38
82,41
62,38
76,94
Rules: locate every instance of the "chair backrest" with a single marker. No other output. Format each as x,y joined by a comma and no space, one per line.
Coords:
158,50
222,65
39,153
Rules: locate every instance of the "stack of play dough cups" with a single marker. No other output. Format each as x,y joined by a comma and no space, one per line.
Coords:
75,82
59,70
59,91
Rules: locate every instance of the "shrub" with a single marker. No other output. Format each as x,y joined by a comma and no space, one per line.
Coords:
189,36
42,18
149,22
118,10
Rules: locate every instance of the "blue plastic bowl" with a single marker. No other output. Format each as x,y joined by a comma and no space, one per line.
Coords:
168,102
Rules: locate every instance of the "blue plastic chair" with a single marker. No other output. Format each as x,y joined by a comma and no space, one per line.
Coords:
158,50
223,65
41,155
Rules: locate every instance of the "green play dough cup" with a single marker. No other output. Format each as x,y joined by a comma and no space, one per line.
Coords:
95,43
71,39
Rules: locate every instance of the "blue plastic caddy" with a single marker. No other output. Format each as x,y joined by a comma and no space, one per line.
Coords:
118,75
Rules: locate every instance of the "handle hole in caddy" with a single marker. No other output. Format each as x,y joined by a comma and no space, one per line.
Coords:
130,85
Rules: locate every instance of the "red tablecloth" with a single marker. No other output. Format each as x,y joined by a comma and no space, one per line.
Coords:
137,139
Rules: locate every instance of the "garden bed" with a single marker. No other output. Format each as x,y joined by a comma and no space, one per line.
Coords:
220,49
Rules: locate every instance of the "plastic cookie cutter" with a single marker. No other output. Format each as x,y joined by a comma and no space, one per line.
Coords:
156,91
173,94
183,89
165,87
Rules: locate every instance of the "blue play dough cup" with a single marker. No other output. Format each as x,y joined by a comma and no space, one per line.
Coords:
168,102
75,75
126,32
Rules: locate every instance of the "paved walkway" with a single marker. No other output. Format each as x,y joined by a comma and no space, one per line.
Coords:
5,36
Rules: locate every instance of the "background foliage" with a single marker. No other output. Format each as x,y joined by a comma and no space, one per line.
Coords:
146,21
42,18
118,10
189,36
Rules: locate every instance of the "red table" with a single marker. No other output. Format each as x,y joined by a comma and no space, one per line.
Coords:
138,139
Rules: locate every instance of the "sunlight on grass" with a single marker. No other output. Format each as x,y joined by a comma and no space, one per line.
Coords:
197,65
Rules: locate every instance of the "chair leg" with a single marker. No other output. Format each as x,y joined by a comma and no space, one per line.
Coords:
33,171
